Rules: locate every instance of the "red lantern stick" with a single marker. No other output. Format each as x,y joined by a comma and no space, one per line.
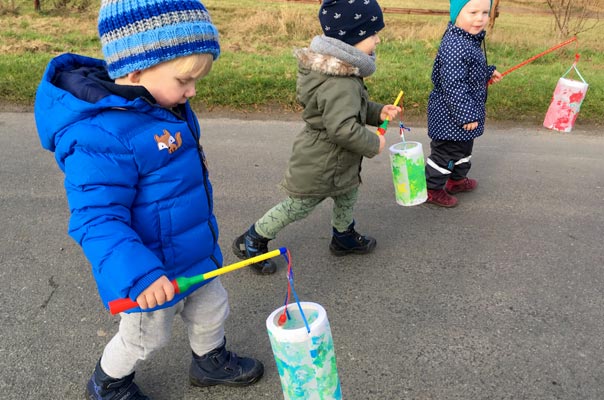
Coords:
522,64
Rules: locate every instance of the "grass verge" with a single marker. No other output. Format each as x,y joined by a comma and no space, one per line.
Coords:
257,70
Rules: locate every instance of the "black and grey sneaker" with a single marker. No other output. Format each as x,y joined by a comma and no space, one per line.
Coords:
351,242
252,244
103,387
222,367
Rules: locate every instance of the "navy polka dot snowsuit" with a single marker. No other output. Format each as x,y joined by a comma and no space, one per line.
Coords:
460,76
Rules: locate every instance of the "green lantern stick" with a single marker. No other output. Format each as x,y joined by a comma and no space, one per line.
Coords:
182,284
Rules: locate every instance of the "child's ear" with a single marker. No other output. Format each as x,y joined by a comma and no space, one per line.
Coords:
134,77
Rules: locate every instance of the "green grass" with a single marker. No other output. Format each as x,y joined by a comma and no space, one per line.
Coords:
257,69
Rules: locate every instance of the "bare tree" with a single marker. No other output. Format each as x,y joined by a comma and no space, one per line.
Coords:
574,16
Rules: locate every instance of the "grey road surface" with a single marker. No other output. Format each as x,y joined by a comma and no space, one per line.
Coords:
498,298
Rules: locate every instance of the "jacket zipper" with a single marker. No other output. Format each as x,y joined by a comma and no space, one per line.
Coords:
196,133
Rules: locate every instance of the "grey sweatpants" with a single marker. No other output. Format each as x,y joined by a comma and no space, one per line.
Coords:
204,313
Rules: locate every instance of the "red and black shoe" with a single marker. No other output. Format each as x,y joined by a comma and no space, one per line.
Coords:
462,185
441,198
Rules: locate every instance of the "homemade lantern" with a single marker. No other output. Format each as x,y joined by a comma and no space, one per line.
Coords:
408,173
566,101
303,348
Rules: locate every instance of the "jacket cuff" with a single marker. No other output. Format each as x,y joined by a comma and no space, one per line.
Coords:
491,69
373,113
145,282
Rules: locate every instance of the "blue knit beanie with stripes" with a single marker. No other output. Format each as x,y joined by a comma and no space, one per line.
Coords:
138,34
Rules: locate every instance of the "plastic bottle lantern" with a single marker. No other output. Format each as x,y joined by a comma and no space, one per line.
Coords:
305,355
408,173
566,102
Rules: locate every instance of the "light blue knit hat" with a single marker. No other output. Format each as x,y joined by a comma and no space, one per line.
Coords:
456,6
138,34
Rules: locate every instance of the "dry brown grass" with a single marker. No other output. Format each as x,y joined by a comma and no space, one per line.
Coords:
33,33
276,26
279,24
259,31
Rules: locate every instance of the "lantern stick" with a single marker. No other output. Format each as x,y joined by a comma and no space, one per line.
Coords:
522,64
382,128
182,284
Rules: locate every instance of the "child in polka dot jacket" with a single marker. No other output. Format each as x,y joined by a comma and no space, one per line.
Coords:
456,107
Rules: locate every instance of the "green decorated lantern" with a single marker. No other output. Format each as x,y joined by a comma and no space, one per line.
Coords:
408,173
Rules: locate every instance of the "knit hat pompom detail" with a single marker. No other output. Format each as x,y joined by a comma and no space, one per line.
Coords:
138,34
351,21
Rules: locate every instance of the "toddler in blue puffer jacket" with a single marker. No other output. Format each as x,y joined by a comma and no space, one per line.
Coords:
137,184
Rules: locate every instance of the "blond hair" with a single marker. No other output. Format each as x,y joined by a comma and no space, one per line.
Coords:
197,65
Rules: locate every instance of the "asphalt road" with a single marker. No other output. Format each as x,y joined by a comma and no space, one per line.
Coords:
498,298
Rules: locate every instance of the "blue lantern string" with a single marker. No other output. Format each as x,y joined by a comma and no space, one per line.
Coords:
290,288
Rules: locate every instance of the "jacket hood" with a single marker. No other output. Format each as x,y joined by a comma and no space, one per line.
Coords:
315,68
324,64
75,88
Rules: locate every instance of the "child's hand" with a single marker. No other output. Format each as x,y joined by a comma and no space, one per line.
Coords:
496,77
382,143
471,126
389,112
156,294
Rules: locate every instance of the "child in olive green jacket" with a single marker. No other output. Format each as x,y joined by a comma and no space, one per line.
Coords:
327,153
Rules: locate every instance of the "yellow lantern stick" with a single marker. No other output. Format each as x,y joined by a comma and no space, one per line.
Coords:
382,128
182,283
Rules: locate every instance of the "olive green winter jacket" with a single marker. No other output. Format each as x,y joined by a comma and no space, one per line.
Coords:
327,153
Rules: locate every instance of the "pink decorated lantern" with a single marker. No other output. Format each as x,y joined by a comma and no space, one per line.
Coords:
566,102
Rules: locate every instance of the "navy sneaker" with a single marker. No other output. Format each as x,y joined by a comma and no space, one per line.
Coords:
103,387
222,367
350,242
252,244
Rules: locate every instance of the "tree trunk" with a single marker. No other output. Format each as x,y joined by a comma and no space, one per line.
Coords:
494,14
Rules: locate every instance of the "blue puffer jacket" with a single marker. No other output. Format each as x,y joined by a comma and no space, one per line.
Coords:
460,76
135,176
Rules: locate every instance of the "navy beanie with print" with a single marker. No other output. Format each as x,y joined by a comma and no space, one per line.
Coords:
351,21
138,34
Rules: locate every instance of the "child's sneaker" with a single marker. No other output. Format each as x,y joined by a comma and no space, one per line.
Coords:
441,198
462,185
103,387
350,241
222,367
252,244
